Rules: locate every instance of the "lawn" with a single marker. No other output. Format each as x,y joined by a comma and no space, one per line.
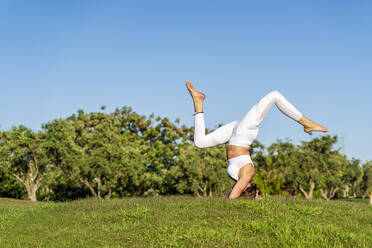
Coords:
181,221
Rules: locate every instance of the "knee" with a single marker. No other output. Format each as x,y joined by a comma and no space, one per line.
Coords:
199,143
275,94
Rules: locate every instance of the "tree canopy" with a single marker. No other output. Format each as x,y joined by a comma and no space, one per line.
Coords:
123,153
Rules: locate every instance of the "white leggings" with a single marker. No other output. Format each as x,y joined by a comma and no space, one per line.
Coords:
243,132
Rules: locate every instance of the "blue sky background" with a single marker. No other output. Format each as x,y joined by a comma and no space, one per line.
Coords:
60,56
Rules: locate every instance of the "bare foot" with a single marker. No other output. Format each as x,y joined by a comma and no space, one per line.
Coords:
196,95
316,127
310,126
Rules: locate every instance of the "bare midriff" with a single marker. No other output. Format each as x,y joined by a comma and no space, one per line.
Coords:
234,151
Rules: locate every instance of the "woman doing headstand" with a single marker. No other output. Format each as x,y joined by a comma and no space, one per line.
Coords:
240,134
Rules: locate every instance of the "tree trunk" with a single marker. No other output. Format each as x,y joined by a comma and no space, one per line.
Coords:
346,191
309,195
353,196
364,195
205,189
86,183
210,193
31,185
31,191
332,192
108,196
324,194
370,198
98,180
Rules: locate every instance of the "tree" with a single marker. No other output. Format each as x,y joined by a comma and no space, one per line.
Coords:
163,139
280,167
202,172
351,178
92,148
266,175
366,185
120,153
9,185
321,165
307,167
333,169
24,154
63,183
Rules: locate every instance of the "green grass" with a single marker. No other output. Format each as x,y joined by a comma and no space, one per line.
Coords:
186,222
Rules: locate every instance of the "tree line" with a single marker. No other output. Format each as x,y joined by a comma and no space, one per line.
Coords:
118,154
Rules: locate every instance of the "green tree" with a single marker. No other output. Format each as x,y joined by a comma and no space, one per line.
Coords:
93,149
266,176
202,172
120,153
163,139
272,168
333,170
24,154
320,166
307,167
366,185
351,178
10,186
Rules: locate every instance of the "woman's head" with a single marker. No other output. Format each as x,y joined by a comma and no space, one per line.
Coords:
252,192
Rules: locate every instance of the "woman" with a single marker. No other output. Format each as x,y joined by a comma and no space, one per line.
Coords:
240,134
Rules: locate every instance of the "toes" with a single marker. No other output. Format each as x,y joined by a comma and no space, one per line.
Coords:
189,85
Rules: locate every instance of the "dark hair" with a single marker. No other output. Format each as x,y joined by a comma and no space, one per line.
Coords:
252,192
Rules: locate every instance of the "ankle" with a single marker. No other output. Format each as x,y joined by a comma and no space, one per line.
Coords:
198,107
304,121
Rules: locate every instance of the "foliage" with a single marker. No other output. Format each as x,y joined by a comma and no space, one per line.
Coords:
352,178
122,153
24,154
202,172
366,185
10,187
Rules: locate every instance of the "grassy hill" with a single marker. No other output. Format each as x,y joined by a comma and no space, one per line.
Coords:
186,222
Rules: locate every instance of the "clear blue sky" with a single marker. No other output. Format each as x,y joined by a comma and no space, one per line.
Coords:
60,56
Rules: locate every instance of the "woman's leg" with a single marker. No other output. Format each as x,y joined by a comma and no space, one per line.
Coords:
253,119
258,112
220,136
